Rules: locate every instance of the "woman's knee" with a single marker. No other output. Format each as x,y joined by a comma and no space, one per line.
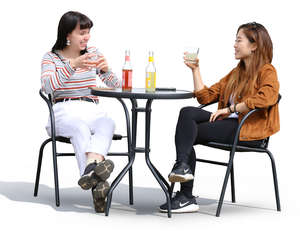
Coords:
105,123
80,129
186,112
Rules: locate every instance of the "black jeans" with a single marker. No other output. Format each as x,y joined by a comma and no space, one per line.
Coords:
193,127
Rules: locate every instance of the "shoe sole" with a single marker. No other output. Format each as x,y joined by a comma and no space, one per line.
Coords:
87,181
104,169
99,205
180,178
101,190
188,209
99,196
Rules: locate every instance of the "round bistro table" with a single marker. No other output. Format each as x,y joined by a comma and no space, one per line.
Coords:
134,95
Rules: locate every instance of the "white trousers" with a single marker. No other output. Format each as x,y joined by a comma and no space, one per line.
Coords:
89,129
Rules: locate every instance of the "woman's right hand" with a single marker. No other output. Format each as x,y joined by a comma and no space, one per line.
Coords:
83,61
191,65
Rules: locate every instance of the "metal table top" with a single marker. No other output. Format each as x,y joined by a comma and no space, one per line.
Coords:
140,93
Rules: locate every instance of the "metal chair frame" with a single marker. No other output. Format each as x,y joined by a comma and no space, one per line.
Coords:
55,154
233,148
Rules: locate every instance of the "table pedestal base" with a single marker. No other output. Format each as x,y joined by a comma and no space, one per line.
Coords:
133,149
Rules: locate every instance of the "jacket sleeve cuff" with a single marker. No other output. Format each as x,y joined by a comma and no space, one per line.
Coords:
199,92
249,103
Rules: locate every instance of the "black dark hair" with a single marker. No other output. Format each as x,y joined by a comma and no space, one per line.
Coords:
67,24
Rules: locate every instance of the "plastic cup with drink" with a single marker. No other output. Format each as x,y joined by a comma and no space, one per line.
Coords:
191,54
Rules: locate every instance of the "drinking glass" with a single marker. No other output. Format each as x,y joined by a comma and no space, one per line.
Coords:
191,54
94,58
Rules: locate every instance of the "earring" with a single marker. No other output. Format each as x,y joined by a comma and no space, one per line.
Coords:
68,43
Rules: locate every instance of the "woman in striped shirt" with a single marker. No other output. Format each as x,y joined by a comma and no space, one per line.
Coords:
68,71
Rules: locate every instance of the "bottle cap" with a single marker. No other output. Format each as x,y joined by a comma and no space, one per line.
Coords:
151,54
127,55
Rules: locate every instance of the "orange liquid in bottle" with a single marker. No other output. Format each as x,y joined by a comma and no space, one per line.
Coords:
127,80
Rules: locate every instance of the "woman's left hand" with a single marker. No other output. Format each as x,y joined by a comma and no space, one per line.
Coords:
102,64
215,115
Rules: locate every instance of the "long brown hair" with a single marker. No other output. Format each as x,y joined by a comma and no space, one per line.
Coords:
242,80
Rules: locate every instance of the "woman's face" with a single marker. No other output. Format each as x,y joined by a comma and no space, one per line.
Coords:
79,38
242,46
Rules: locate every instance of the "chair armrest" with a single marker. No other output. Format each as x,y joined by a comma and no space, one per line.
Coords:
237,134
243,121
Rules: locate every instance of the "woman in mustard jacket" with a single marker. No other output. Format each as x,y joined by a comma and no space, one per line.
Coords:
252,84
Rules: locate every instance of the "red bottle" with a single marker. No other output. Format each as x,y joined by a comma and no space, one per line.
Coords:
127,73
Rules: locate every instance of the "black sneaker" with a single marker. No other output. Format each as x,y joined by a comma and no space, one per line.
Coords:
89,179
99,196
181,204
181,172
104,169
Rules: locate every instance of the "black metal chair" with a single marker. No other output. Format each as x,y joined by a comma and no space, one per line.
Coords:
55,154
232,148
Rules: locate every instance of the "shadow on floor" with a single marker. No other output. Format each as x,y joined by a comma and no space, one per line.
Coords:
146,200
74,199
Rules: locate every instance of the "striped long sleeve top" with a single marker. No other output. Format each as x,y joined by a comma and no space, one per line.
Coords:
59,79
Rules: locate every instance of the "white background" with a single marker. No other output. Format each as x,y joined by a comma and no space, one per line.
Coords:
28,30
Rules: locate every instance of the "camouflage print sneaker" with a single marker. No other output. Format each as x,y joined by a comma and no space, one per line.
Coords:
99,196
89,179
99,205
104,169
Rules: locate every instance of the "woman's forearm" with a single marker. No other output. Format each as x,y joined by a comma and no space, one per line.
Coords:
198,83
240,107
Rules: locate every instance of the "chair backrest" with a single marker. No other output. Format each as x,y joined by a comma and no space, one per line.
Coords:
266,141
48,100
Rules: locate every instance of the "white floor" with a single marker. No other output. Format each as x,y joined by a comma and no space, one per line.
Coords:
255,207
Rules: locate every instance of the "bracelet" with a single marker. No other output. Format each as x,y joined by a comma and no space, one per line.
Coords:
234,109
230,109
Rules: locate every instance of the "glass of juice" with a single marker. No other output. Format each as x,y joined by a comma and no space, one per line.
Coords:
191,54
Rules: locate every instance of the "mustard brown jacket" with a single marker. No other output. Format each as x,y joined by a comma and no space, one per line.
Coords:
260,124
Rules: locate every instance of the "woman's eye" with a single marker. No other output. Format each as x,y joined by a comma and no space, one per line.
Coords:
84,32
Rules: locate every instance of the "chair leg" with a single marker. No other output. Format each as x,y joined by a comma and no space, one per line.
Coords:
55,171
275,181
172,189
232,185
230,163
38,172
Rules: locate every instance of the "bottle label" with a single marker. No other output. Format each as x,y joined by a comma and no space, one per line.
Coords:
127,79
150,81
